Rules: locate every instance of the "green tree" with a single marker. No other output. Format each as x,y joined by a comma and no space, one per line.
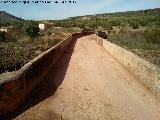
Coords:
2,36
32,31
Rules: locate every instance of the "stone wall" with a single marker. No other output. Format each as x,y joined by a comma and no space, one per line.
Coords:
147,72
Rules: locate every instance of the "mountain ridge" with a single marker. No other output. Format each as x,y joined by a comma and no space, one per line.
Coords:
7,16
124,13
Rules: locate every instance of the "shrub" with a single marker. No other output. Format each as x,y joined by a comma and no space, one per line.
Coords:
108,27
152,36
134,25
87,28
54,42
49,32
32,31
2,36
14,34
102,34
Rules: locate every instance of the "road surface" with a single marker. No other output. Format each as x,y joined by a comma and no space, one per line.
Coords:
91,86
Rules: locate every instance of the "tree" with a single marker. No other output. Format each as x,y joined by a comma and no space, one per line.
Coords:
2,36
32,31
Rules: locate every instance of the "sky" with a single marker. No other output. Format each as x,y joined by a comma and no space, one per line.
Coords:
55,11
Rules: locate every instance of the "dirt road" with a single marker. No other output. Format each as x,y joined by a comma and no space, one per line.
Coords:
91,86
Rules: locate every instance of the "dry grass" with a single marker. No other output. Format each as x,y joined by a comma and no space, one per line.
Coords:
143,42
17,51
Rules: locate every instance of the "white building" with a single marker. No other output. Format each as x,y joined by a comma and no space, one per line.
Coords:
41,26
3,29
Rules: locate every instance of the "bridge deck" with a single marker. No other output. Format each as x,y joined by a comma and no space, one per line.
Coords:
92,85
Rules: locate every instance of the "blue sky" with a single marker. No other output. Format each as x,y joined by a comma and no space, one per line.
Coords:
82,7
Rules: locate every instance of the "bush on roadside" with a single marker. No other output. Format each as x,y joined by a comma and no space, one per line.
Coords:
102,34
54,42
152,36
145,44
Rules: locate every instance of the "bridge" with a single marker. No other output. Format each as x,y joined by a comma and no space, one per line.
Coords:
88,83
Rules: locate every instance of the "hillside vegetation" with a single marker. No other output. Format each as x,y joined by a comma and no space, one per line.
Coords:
6,16
137,31
19,45
134,19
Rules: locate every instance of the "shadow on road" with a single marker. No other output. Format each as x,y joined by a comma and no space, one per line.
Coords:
48,86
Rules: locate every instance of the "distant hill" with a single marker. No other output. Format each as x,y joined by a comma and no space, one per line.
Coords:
6,16
149,12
